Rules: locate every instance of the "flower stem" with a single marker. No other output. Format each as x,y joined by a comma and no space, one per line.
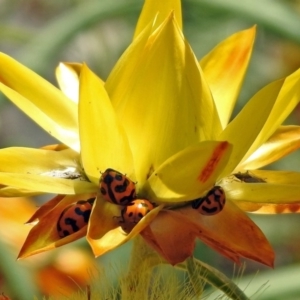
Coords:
136,282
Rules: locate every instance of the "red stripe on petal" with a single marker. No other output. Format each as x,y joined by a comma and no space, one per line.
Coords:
213,162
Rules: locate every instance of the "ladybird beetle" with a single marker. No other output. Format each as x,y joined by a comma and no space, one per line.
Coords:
74,217
212,203
132,214
248,178
116,188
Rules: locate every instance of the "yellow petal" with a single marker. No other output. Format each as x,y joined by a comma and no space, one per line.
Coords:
19,165
286,100
103,140
189,173
242,132
8,191
44,235
67,75
40,100
229,232
284,141
55,147
224,69
277,176
158,10
39,161
257,198
46,184
113,237
280,196
160,95
263,193
104,218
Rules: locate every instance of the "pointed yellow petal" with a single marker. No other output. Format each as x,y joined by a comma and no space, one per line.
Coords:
41,101
104,218
242,132
225,67
103,140
160,95
158,10
46,184
279,196
284,141
67,75
103,230
286,100
39,161
189,173
44,235
277,177
17,163
8,191
116,237
112,239
263,193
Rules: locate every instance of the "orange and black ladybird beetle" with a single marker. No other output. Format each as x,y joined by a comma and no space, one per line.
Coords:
117,188
132,214
212,203
74,217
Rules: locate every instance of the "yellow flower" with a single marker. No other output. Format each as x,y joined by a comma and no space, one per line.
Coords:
161,118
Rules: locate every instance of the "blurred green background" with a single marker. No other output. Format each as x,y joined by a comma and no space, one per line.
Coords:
40,34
